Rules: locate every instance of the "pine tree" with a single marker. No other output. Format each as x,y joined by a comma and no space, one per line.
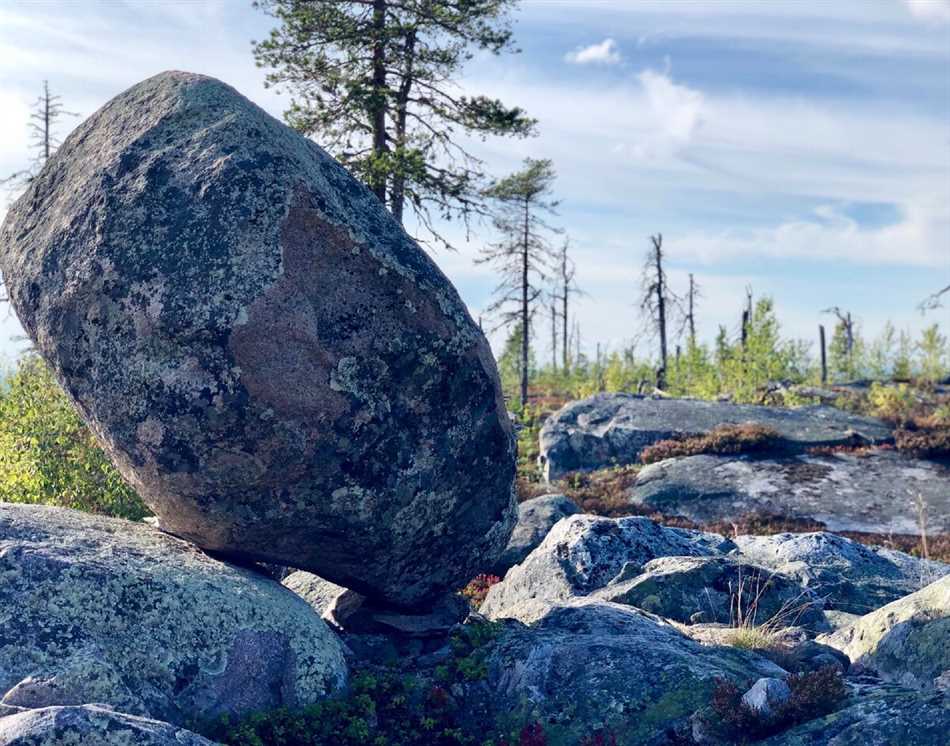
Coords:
374,82
523,253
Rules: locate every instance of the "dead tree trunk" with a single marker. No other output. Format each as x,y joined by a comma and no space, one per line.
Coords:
824,354
660,289
525,317
691,317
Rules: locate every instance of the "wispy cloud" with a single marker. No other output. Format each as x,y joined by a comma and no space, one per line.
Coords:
605,53
674,112
930,10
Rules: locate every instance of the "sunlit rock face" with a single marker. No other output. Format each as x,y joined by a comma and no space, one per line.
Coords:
275,366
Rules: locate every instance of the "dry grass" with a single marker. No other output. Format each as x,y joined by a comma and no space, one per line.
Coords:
725,439
926,442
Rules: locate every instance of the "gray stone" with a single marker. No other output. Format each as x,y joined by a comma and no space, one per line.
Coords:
319,593
589,665
583,553
889,718
96,609
612,429
765,694
874,493
849,576
535,518
907,641
720,589
350,612
91,725
274,365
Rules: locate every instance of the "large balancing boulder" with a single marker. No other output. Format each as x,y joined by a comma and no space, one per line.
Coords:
275,366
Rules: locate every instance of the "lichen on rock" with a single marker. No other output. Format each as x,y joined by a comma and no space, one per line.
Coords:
96,609
280,372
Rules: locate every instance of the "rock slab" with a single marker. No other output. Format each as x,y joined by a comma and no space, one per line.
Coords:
587,666
611,429
96,609
535,518
583,553
875,493
273,364
91,725
848,576
907,641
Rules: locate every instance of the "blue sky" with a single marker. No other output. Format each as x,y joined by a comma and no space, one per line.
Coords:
800,147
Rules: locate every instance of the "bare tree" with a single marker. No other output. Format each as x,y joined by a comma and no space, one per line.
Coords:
694,293
934,301
523,253
657,300
47,111
564,287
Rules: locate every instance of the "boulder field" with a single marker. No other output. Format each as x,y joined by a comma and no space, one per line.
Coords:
302,399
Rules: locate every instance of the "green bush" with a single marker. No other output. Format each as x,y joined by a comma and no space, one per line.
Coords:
47,454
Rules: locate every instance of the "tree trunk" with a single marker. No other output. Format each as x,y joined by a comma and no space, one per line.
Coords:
554,334
46,137
378,101
692,318
824,356
524,309
567,282
660,308
397,193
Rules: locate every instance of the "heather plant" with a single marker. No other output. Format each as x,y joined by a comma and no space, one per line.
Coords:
813,695
725,439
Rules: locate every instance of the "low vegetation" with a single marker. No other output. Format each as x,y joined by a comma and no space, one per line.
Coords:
48,456
725,439
813,695
385,707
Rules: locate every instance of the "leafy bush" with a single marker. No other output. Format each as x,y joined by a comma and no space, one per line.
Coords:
892,403
47,454
725,439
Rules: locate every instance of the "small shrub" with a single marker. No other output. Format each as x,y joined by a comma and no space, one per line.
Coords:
477,588
813,695
49,456
725,439
892,403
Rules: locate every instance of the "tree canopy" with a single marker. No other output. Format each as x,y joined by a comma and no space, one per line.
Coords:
375,82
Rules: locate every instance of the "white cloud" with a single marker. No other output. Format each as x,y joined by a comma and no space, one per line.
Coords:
918,238
675,113
929,10
605,53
